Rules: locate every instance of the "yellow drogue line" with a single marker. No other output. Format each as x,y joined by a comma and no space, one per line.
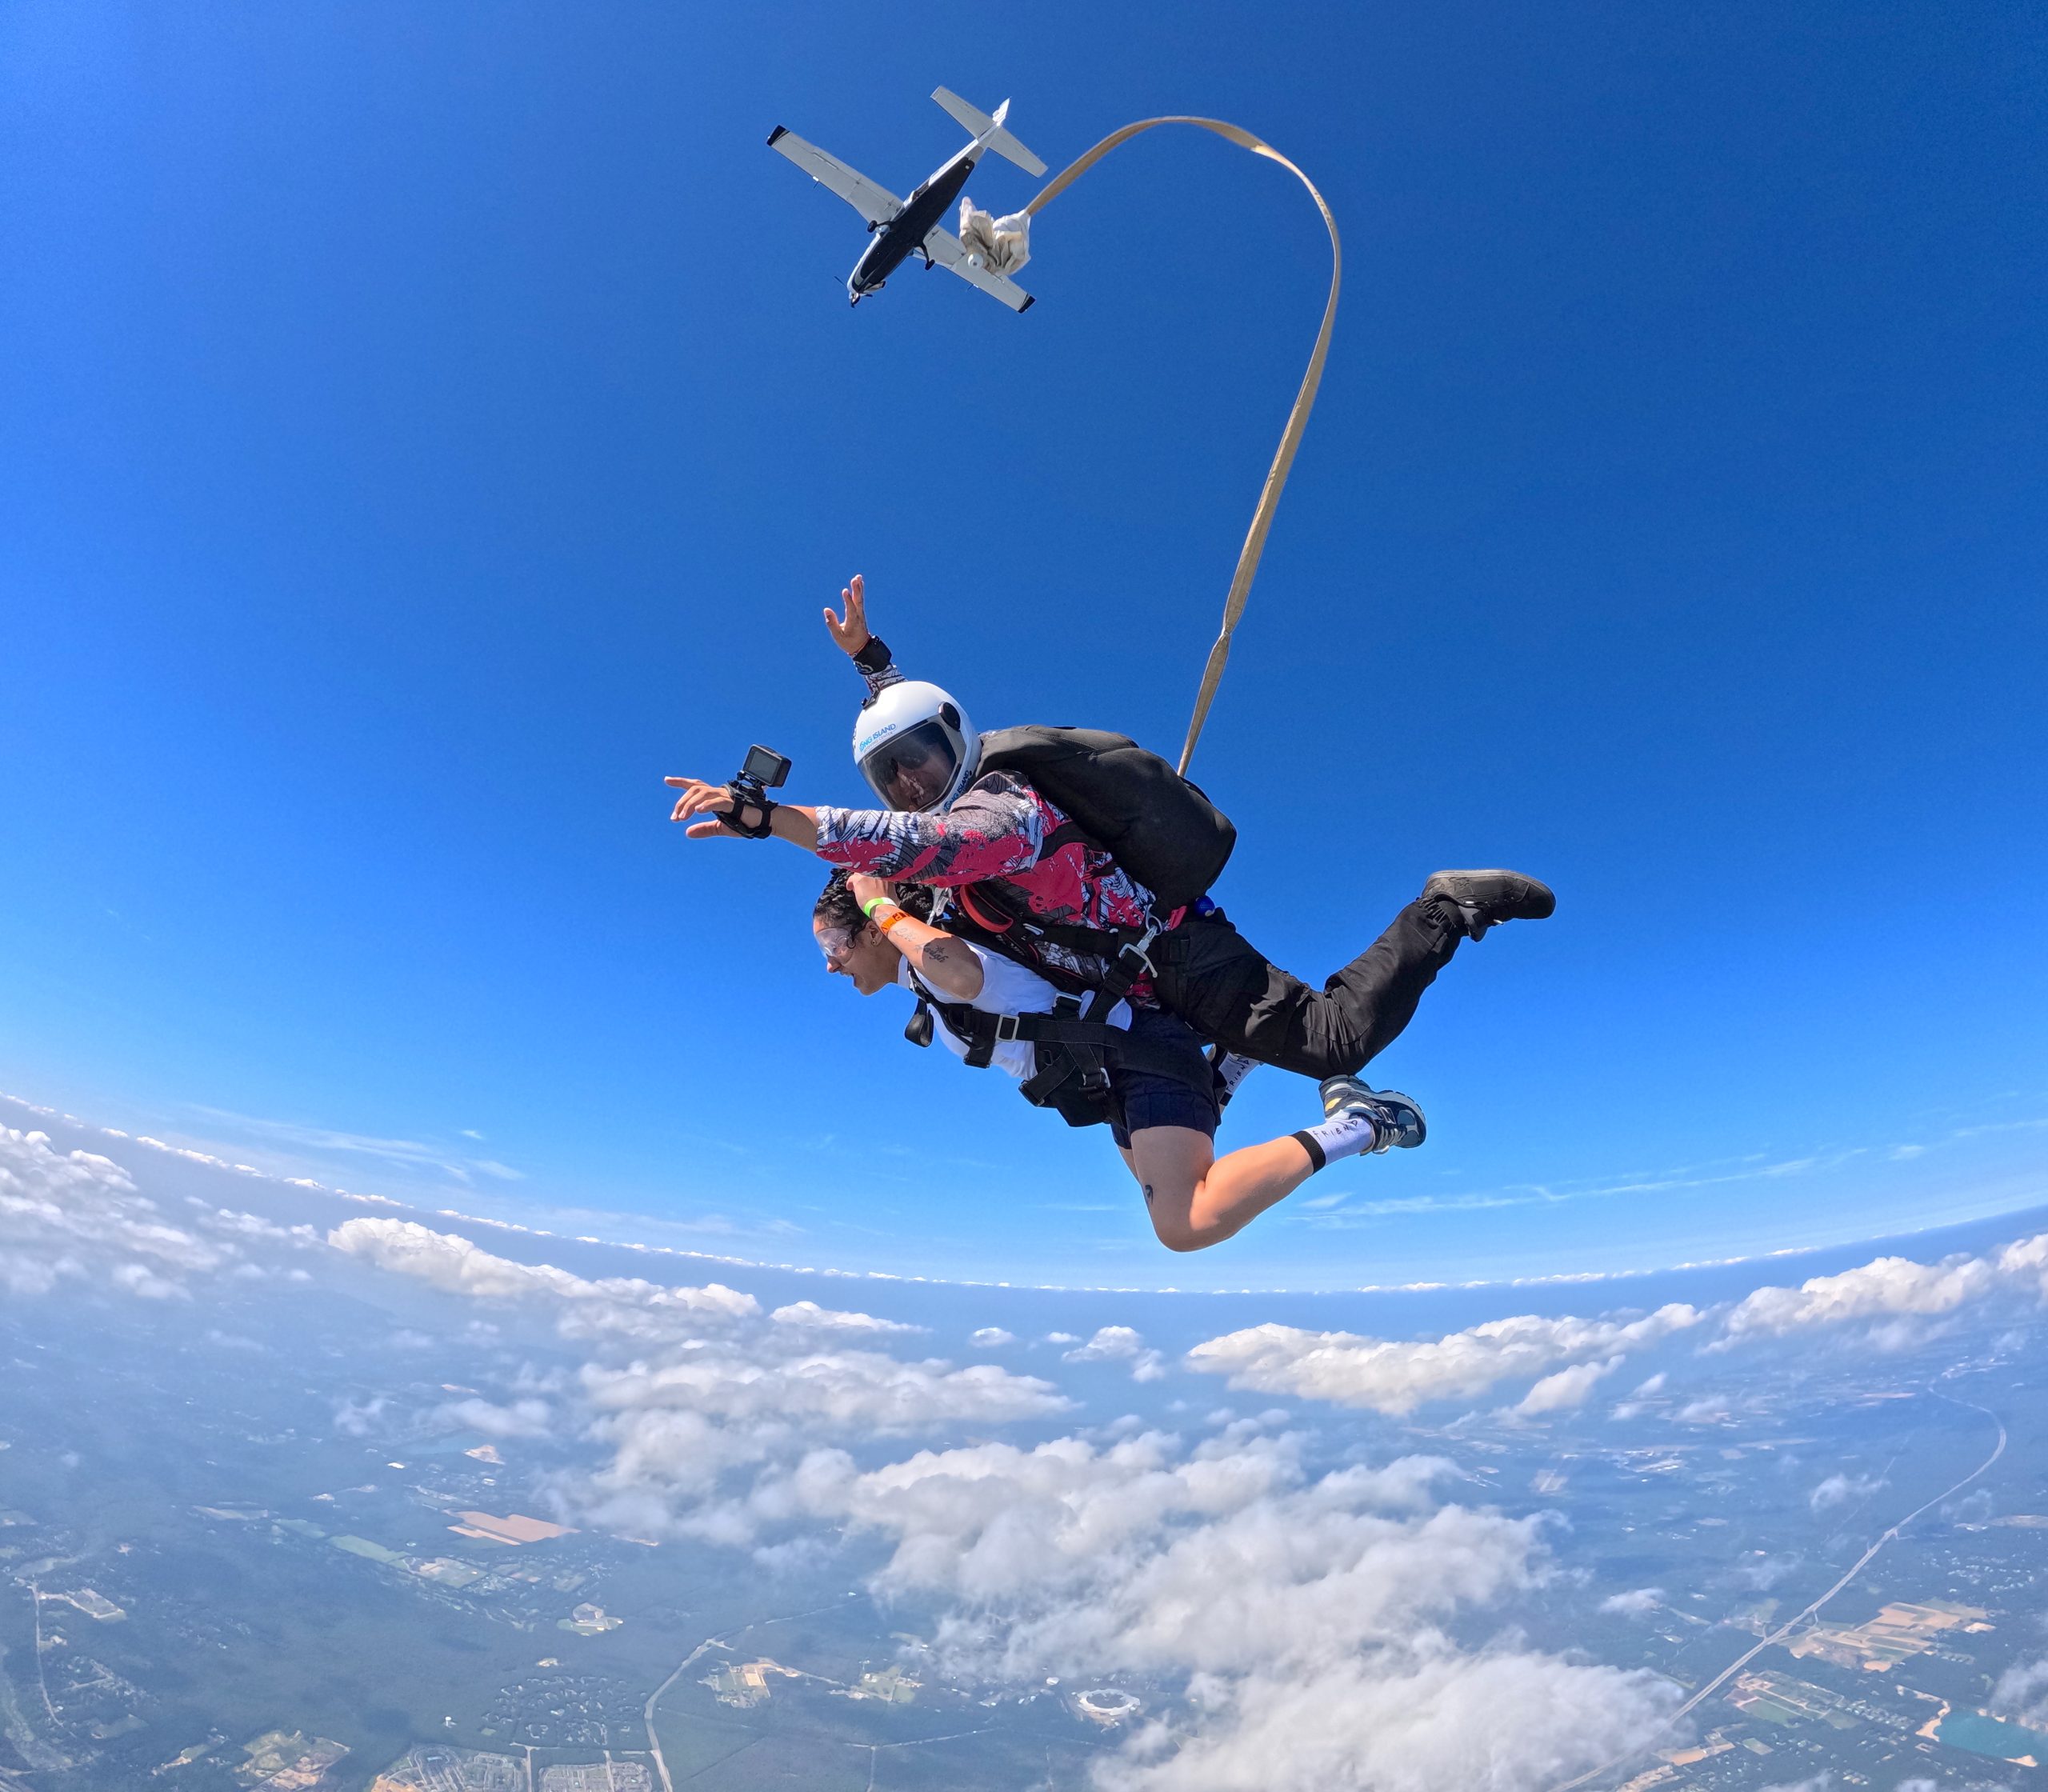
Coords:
1297,418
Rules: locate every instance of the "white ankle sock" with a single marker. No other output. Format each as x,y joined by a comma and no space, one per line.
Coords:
1343,1135
1232,1068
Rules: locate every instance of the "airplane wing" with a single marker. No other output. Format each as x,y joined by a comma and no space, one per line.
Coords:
949,251
877,205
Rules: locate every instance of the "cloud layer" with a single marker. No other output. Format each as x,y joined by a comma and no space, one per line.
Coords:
1390,1376
76,1219
1889,1288
1894,1298
685,1387
1332,1625
1305,1613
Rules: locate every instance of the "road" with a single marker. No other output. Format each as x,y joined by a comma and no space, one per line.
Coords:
683,1666
1800,1617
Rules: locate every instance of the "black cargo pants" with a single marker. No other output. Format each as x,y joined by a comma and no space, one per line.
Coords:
1225,988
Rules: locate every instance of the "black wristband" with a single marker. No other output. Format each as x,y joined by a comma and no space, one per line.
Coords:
875,657
744,800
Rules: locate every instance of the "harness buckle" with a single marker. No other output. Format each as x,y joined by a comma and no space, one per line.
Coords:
1005,1027
1135,955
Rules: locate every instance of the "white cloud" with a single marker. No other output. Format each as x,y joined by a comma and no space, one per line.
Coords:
2021,1695
991,1338
357,1418
624,1304
1108,1344
1566,1388
677,1429
1395,1377
74,1217
143,1282
1890,1288
810,1314
518,1418
1761,1573
1654,1384
843,1389
1412,1720
1838,1490
235,1224
2026,1260
1120,1344
1304,1610
1224,1558
1637,1602
709,1387
24,1273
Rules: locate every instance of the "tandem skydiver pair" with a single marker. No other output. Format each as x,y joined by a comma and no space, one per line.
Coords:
1046,889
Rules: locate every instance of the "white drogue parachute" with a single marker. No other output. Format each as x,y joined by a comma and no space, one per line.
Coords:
1001,245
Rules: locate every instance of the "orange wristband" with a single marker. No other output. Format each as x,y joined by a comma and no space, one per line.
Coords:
888,921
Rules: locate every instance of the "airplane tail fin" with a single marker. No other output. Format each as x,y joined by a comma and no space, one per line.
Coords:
988,130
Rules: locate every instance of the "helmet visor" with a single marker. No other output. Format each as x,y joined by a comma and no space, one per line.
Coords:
912,770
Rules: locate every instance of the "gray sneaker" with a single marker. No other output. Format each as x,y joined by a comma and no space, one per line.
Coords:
1397,1121
1484,898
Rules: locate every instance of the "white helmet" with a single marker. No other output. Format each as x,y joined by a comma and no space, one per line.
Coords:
915,746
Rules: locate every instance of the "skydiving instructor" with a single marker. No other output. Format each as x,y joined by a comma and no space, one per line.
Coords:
1011,871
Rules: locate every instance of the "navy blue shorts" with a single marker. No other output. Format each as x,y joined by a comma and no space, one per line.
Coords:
1145,1100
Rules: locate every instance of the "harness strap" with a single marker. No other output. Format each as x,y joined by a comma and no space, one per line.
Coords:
989,924
1114,1043
1077,1037
1001,930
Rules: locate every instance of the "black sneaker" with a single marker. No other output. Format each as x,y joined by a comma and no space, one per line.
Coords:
1484,898
1397,1123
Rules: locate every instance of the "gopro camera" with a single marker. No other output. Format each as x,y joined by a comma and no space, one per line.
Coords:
759,773
763,769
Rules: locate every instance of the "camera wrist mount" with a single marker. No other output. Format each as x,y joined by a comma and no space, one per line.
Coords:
762,771
750,799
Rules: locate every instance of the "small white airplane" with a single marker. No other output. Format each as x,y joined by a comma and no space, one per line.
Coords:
903,228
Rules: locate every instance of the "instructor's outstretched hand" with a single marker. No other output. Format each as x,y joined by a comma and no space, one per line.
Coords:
793,822
850,633
713,801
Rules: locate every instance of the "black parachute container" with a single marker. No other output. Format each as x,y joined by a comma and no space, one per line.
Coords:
1158,827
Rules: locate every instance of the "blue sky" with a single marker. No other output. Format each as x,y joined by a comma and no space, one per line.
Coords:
426,426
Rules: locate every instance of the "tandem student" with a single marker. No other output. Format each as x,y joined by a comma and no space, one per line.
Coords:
1161,1096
